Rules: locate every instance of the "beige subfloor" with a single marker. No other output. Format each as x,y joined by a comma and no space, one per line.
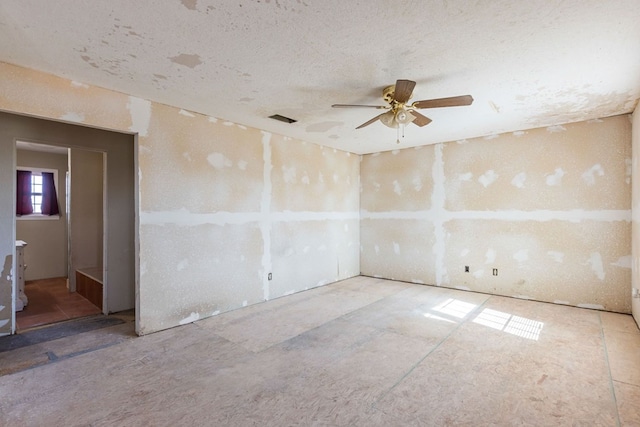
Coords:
362,352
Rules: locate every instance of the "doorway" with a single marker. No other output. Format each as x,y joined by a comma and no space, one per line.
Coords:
119,248
63,253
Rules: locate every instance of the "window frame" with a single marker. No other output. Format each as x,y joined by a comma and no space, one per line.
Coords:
39,171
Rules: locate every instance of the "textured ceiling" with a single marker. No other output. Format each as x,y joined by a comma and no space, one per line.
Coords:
527,63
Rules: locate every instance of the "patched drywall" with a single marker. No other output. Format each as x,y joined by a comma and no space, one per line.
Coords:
216,212
549,208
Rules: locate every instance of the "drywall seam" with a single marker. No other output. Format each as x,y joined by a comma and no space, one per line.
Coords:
438,197
265,211
575,215
140,110
184,218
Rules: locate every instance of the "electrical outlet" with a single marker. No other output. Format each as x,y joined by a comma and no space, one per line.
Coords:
635,293
495,271
466,268
270,276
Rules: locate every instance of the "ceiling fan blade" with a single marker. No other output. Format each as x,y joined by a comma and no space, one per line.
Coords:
403,90
420,119
358,105
376,118
454,101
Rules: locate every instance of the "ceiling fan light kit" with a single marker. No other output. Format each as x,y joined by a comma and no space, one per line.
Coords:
401,114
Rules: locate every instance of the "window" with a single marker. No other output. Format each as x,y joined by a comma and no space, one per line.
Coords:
37,193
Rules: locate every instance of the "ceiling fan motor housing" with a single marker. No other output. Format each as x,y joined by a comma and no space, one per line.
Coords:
388,92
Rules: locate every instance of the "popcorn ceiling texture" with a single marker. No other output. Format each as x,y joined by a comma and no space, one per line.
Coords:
220,205
549,208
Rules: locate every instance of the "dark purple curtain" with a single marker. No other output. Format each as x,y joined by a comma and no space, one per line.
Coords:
49,197
23,198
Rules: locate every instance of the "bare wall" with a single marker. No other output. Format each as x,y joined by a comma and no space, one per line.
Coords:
46,251
550,209
86,211
220,205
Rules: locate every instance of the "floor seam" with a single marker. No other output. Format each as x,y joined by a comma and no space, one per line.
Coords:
606,359
435,347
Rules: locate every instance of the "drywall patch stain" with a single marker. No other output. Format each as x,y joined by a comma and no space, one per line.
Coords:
590,176
188,60
242,165
73,117
186,113
595,260
140,112
305,178
189,4
488,178
465,176
190,319
557,256
187,156
556,178
628,168
79,85
521,256
289,174
558,128
397,188
519,133
490,256
464,252
212,120
396,248
478,273
219,161
624,262
519,179
417,183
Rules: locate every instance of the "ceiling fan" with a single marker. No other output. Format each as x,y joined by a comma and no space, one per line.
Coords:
400,113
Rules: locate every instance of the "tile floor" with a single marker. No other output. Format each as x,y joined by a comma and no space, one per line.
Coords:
49,302
361,352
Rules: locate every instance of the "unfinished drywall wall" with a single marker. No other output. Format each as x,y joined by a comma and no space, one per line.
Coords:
635,225
46,251
215,213
550,209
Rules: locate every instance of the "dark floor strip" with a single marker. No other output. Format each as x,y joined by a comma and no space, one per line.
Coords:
57,331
